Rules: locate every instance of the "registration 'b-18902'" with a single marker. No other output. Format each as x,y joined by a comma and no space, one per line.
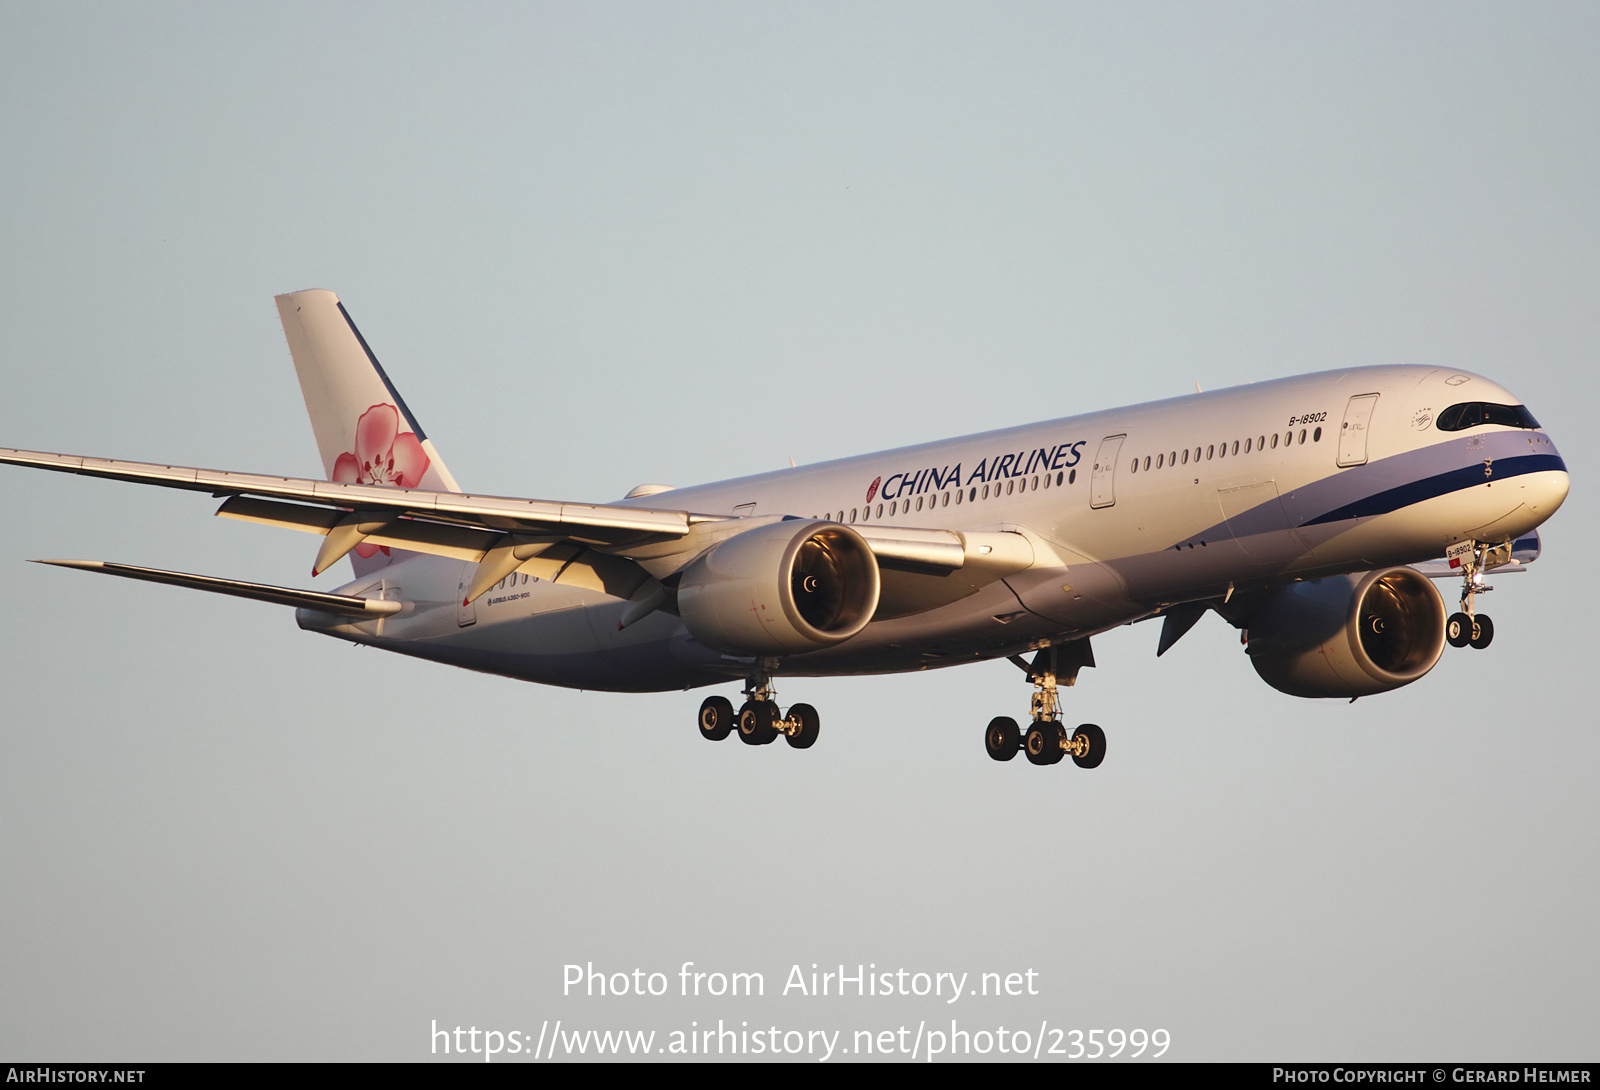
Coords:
1312,513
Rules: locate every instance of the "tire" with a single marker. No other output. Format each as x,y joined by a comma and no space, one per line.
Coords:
1097,746
1043,743
1002,739
716,718
758,722
1458,630
810,723
1482,632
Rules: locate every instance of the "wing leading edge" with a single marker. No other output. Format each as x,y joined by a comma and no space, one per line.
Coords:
587,524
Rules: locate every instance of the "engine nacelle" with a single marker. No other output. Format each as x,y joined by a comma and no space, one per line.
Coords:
1348,635
780,589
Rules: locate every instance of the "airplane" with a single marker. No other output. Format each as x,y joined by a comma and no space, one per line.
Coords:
1311,513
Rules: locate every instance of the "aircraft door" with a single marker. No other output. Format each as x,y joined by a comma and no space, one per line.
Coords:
1102,485
1353,433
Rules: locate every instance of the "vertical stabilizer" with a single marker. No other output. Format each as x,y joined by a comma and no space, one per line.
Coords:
364,430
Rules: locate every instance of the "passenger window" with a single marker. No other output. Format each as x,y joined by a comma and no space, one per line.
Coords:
1072,478
1316,436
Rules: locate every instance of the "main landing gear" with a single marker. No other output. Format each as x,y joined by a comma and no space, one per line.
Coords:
1470,626
1046,741
758,720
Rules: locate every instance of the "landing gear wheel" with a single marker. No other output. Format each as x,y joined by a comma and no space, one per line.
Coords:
1458,630
810,722
1043,742
1002,739
758,722
716,718
1482,631
1093,740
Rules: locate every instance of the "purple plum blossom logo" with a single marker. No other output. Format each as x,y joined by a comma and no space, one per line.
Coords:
384,455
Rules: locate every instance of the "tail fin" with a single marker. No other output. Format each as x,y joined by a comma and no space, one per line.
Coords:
363,428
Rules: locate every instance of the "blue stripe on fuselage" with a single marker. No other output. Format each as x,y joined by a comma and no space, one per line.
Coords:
1440,484
1388,484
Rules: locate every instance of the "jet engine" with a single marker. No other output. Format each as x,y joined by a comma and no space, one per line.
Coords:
1349,635
780,589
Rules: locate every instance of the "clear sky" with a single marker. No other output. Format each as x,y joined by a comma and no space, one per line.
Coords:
596,245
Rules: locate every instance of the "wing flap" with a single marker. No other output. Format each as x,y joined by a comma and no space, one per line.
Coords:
440,539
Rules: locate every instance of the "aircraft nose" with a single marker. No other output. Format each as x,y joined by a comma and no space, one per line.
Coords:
1548,483
1551,490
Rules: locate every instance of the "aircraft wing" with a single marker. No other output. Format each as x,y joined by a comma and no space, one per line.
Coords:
588,524
499,533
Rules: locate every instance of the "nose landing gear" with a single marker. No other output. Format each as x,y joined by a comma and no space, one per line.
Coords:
758,720
1046,741
1469,626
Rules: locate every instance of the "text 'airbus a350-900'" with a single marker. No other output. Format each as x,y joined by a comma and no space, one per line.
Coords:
1311,513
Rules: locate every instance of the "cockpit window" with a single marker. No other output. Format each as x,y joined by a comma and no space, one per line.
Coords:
1471,414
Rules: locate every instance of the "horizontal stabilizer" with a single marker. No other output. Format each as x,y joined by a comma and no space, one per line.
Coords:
346,604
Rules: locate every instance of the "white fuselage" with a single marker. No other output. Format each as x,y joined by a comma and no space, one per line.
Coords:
1126,512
